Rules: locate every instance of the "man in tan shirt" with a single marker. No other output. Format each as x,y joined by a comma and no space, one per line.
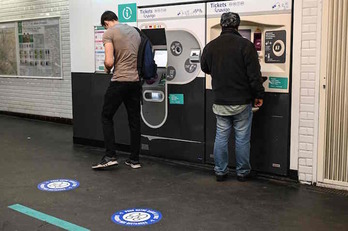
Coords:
121,44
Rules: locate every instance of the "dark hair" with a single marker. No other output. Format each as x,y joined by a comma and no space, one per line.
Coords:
230,20
108,16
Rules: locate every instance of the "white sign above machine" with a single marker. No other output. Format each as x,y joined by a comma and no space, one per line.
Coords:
248,6
168,12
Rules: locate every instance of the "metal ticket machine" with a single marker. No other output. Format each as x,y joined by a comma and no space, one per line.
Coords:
268,25
173,105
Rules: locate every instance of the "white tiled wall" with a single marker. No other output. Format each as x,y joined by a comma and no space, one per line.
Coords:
39,96
309,94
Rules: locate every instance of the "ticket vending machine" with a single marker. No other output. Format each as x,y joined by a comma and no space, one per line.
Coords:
154,94
173,106
268,26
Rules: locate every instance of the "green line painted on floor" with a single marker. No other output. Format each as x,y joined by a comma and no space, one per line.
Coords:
47,218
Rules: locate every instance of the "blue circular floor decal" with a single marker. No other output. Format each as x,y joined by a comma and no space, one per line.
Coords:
136,217
58,185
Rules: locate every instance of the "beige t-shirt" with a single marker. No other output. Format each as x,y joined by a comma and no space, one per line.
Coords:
126,41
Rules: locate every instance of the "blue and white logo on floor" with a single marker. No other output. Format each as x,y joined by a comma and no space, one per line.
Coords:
136,217
58,185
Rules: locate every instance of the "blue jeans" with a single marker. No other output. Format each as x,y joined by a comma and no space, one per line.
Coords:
242,126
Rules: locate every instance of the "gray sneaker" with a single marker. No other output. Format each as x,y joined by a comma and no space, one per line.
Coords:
105,162
133,164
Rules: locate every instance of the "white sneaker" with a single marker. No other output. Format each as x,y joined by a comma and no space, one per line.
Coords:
133,164
105,162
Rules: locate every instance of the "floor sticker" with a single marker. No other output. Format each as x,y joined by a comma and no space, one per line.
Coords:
58,185
136,217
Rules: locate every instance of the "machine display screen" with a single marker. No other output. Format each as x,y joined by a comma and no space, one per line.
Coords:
246,33
160,58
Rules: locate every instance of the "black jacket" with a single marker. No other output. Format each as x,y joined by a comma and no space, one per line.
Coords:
232,61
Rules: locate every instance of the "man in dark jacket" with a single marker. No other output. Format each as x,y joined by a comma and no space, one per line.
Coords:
232,61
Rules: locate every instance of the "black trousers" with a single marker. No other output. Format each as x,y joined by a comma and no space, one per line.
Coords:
117,93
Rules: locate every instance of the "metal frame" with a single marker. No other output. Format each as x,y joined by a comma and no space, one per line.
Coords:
325,68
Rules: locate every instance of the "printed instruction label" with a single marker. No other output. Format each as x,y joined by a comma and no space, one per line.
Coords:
278,82
176,98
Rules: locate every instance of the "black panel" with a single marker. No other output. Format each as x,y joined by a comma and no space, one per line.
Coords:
81,88
171,149
99,143
156,36
183,121
88,94
270,136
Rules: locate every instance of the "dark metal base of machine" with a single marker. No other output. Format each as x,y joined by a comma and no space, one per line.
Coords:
270,136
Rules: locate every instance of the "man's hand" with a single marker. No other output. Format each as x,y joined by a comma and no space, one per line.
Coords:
107,71
258,102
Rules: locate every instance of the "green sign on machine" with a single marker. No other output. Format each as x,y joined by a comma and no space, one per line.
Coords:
176,98
99,28
278,83
127,12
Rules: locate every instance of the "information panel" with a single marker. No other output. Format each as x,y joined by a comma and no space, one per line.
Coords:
31,48
8,58
275,49
99,51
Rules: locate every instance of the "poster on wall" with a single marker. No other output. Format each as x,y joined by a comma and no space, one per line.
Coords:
99,51
8,57
39,48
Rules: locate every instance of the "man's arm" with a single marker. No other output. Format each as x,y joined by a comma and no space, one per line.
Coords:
109,57
254,74
204,62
